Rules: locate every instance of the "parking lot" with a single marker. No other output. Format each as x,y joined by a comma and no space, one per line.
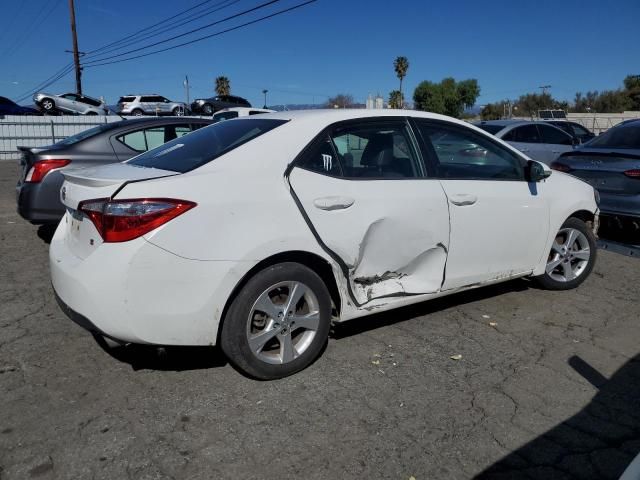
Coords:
507,381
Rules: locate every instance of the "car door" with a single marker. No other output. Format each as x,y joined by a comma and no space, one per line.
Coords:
526,138
499,221
67,102
556,142
362,189
149,104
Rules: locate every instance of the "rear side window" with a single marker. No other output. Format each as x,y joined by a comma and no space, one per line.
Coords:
153,137
188,153
126,99
523,134
218,117
554,136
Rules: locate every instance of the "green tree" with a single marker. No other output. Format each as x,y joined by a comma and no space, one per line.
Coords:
632,87
223,85
395,99
447,97
341,100
492,111
401,66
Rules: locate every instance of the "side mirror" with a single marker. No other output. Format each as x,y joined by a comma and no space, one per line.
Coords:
536,172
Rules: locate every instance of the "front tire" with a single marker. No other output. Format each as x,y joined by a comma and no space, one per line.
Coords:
207,109
48,105
178,112
572,257
278,323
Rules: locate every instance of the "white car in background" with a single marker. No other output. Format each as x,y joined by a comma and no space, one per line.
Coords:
538,140
235,112
255,234
70,103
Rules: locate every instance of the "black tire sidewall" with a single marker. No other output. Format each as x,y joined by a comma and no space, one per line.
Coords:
549,283
233,338
53,105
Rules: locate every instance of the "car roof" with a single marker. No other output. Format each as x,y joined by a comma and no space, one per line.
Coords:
245,109
154,121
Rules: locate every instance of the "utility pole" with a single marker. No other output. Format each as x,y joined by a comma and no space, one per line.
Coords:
264,92
544,88
76,54
186,87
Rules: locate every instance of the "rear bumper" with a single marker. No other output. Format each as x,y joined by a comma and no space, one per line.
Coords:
39,203
135,292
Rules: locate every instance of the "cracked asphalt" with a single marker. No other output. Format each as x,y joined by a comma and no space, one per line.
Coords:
546,385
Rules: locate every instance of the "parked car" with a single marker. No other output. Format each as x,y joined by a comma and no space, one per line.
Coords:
41,168
540,141
235,112
611,163
153,104
208,106
256,233
70,103
574,129
9,107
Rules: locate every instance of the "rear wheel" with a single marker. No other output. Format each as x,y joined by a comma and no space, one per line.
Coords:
278,323
572,256
178,112
137,112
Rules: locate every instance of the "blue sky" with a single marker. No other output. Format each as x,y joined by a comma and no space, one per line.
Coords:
333,46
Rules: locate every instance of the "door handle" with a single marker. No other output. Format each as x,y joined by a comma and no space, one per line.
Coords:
462,199
333,202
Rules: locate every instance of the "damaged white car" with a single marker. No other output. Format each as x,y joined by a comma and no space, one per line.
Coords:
255,234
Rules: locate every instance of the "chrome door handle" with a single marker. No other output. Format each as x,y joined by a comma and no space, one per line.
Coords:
333,202
462,199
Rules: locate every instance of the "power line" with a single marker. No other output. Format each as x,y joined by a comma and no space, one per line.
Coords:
49,81
158,31
96,50
21,39
231,17
266,17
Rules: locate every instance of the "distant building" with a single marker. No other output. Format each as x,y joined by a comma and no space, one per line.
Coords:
374,102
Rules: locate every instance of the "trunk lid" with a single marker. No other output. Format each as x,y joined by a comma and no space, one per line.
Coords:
605,170
81,235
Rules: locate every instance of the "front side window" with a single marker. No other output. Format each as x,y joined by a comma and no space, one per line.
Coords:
523,134
554,136
70,96
204,145
460,153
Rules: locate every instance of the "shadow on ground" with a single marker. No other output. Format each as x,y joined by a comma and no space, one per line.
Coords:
45,232
599,442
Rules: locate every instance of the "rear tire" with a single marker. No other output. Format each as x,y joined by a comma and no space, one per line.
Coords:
178,112
278,323
572,257
137,112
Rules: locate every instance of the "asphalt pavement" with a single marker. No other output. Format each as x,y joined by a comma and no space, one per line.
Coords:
506,381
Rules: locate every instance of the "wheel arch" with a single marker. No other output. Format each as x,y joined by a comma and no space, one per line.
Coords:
584,215
310,260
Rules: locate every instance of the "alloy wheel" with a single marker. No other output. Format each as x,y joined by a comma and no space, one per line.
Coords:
283,322
569,256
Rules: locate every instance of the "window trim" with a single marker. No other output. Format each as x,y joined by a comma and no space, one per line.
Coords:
431,156
327,131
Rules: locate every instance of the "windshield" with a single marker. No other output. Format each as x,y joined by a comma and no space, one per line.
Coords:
492,129
624,136
194,150
85,134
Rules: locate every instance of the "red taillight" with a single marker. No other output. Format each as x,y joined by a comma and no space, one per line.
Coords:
560,167
634,173
39,169
124,220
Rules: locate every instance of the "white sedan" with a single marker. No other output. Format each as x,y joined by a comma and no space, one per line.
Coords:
255,234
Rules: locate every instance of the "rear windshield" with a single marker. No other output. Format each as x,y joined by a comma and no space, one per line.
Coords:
624,136
194,150
492,129
85,134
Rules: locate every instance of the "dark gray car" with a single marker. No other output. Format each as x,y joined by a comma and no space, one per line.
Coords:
40,179
208,106
611,163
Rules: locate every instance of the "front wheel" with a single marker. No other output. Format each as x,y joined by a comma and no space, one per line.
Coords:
572,256
47,105
207,109
278,323
178,112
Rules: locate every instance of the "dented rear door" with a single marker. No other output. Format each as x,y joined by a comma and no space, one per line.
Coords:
374,210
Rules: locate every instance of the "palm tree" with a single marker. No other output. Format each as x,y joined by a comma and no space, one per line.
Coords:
401,65
223,86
